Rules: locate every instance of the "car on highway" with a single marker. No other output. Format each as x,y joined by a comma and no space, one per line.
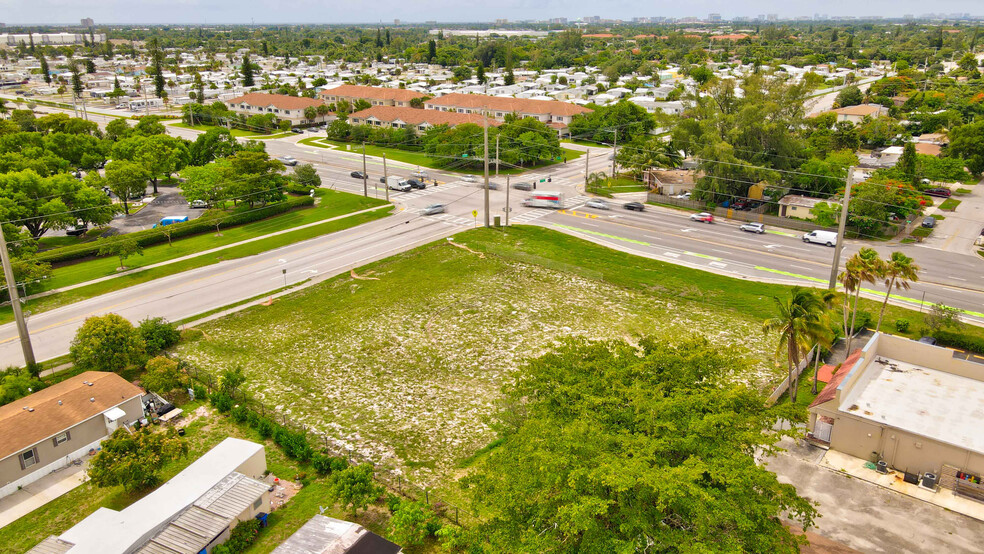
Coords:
198,204
396,184
419,175
288,160
634,206
492,185
415,184
939,192
77,230
828,238
469,179
703,217
433,209
523,185
752,227
929,222
598,204
358,175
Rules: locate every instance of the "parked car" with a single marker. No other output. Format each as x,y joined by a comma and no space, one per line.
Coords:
703,217
523,185
358,175
928,340
939,192
76,230
929,222
739,205
635,206
752,227
396,184
598,204
433,209
198,204
683,196
288,160
137,195
828,238
298,131
415,184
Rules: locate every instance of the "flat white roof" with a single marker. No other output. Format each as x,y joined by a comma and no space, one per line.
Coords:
927,402
110,532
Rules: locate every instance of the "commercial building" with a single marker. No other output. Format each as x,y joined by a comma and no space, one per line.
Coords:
418,120
552,112
190,514
53,427
914,406
376,96
856,114
285,108
50,39
327,535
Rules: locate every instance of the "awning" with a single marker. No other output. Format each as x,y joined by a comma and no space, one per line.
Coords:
113,414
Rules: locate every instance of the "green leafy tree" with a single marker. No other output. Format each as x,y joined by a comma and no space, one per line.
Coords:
135,461
967,142
863,267
207,182
247,71
353,488
118,129
907,163
941,316
163,377
826,214
107,343
73,67
899,272
645,153
801,323
122,247
307,176
158,334
45,71
608,447
157,67
231,379
849,96
41,204
310,113
18,383
409,525
214,144
431,51
125,178
149,125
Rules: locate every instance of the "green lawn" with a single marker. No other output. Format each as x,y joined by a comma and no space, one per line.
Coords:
92,269
950,204
423,160
618,185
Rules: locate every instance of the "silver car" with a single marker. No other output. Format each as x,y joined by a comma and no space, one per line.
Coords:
433,209
598,204
752,227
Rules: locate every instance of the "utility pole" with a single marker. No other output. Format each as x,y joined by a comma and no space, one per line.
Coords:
614,153
507,201
386,184
832,285
485,133
8,273
365,176
587,156
497,155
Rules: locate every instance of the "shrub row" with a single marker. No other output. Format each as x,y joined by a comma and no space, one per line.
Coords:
240,539
149,237
294,443
960,340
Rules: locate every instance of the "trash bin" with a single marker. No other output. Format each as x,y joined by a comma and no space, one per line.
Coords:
881,466
262,517
181,431
497,222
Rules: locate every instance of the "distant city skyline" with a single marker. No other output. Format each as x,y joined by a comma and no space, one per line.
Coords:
108,12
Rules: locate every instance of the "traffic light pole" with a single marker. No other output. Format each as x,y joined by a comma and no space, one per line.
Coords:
365,176
835,265
8,273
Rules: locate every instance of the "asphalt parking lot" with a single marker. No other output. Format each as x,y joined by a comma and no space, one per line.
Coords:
169,202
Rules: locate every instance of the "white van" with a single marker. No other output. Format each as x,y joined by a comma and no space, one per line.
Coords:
828,238
395,183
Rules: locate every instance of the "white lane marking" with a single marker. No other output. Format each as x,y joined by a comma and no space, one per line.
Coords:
721,251
803,268
652,237
957,278
718,265
671,254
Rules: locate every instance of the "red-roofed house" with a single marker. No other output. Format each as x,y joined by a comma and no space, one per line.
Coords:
285,108
376,96
552,112
418,120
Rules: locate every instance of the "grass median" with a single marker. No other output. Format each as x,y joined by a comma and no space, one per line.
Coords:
201,242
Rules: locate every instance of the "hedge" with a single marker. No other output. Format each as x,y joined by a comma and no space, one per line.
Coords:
204,224
960,340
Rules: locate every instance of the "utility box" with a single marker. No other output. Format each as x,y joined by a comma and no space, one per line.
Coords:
498,222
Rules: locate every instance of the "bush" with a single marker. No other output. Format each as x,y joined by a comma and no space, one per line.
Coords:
393,502
862,321
107,343
240,414
241,538
265,427
201,225
902,325
222,402
321,464
959,340
294,443
158,334
200,392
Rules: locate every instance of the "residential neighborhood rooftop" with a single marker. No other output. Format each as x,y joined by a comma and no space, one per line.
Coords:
414,116
281,101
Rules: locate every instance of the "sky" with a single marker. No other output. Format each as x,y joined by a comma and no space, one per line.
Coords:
69,12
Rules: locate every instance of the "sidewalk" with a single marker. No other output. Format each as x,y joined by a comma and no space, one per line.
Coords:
202,253
39,493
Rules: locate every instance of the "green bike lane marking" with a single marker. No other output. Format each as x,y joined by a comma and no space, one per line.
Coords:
705,256
599,234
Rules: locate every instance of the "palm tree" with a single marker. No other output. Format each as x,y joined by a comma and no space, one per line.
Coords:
899,271
867,268
800,322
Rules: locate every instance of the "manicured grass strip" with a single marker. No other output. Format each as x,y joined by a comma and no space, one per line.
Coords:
235,132
949,204
598,234
63,298
790,274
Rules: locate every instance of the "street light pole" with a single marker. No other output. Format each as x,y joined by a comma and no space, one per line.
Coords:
386,184
497,155
485,134
507,201
365,176
587,156
8,273
832,285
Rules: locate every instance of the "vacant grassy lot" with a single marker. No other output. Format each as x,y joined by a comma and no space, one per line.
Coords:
407,369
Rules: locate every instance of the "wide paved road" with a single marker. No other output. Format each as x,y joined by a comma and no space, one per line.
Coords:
664,234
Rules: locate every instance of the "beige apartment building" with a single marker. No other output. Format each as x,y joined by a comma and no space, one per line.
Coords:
555,114
418,120
376,96
285,108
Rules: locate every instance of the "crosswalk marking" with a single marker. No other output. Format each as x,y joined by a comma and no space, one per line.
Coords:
427,191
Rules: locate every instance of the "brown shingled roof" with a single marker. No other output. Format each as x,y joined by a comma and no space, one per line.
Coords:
376,93
498,103
829,392
414,116
281,101
20,428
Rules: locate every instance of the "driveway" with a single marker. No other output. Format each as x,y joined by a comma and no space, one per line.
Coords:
869,518
960,228
169,202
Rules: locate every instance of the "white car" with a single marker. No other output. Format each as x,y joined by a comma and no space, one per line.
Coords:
469,179
684,196
288,160
752,227
598,204
419,175
401,186
433,209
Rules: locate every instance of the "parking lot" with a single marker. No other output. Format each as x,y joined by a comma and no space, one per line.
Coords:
169,202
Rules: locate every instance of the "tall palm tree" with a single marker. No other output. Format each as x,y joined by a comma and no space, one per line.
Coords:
867,268
899,271
801,323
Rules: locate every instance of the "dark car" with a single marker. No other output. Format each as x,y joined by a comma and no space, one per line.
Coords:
740,205
76,230
415,184
523,185
929,222
635,206
939,192
358,175
928,340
